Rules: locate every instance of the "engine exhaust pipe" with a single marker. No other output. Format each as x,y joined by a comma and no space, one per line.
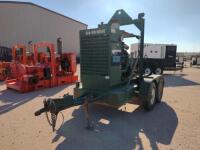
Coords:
59,45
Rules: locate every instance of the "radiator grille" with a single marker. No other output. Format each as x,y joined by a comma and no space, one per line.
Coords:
94,55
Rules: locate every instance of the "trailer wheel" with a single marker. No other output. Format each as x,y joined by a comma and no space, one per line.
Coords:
158,70
159,90
150,98
147,71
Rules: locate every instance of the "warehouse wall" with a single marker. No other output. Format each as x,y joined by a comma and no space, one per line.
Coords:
20,23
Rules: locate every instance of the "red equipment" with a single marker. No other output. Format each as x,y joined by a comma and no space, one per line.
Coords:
4,70
20,60
19,53
47,70
18,56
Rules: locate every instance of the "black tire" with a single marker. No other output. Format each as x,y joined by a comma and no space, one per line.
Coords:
159,90
150,98
148,71
158,70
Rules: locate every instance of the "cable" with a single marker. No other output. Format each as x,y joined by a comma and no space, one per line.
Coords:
54,114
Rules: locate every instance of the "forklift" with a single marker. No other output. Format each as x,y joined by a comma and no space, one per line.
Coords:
109,76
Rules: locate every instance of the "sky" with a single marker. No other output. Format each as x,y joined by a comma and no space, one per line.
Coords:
167,21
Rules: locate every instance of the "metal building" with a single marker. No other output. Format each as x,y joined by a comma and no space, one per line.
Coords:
21,22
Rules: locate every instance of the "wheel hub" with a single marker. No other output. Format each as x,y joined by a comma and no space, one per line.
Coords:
147,71
158,71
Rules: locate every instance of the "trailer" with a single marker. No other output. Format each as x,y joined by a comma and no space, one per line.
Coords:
108,75
157,57
198,60
195,60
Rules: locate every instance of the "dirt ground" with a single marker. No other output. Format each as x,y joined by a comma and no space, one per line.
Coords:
173,124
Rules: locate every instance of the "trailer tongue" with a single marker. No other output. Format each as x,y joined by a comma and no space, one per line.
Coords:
108,75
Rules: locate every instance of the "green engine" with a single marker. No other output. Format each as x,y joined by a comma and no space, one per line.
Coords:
103,57
105,63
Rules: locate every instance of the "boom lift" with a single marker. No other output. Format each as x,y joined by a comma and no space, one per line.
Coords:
108,75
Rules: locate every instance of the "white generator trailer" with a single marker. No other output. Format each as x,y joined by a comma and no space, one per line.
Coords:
157,57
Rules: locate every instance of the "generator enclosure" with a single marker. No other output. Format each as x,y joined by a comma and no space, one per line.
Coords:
100,63
157,55
195,60
198,60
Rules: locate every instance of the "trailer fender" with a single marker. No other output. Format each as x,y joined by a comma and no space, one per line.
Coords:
145,84
144,87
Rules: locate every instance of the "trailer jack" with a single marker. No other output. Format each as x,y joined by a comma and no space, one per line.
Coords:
55,106
87,116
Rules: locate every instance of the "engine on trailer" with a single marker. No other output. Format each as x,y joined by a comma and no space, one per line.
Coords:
109,76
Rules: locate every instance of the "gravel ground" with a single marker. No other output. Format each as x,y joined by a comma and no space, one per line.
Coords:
173,124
